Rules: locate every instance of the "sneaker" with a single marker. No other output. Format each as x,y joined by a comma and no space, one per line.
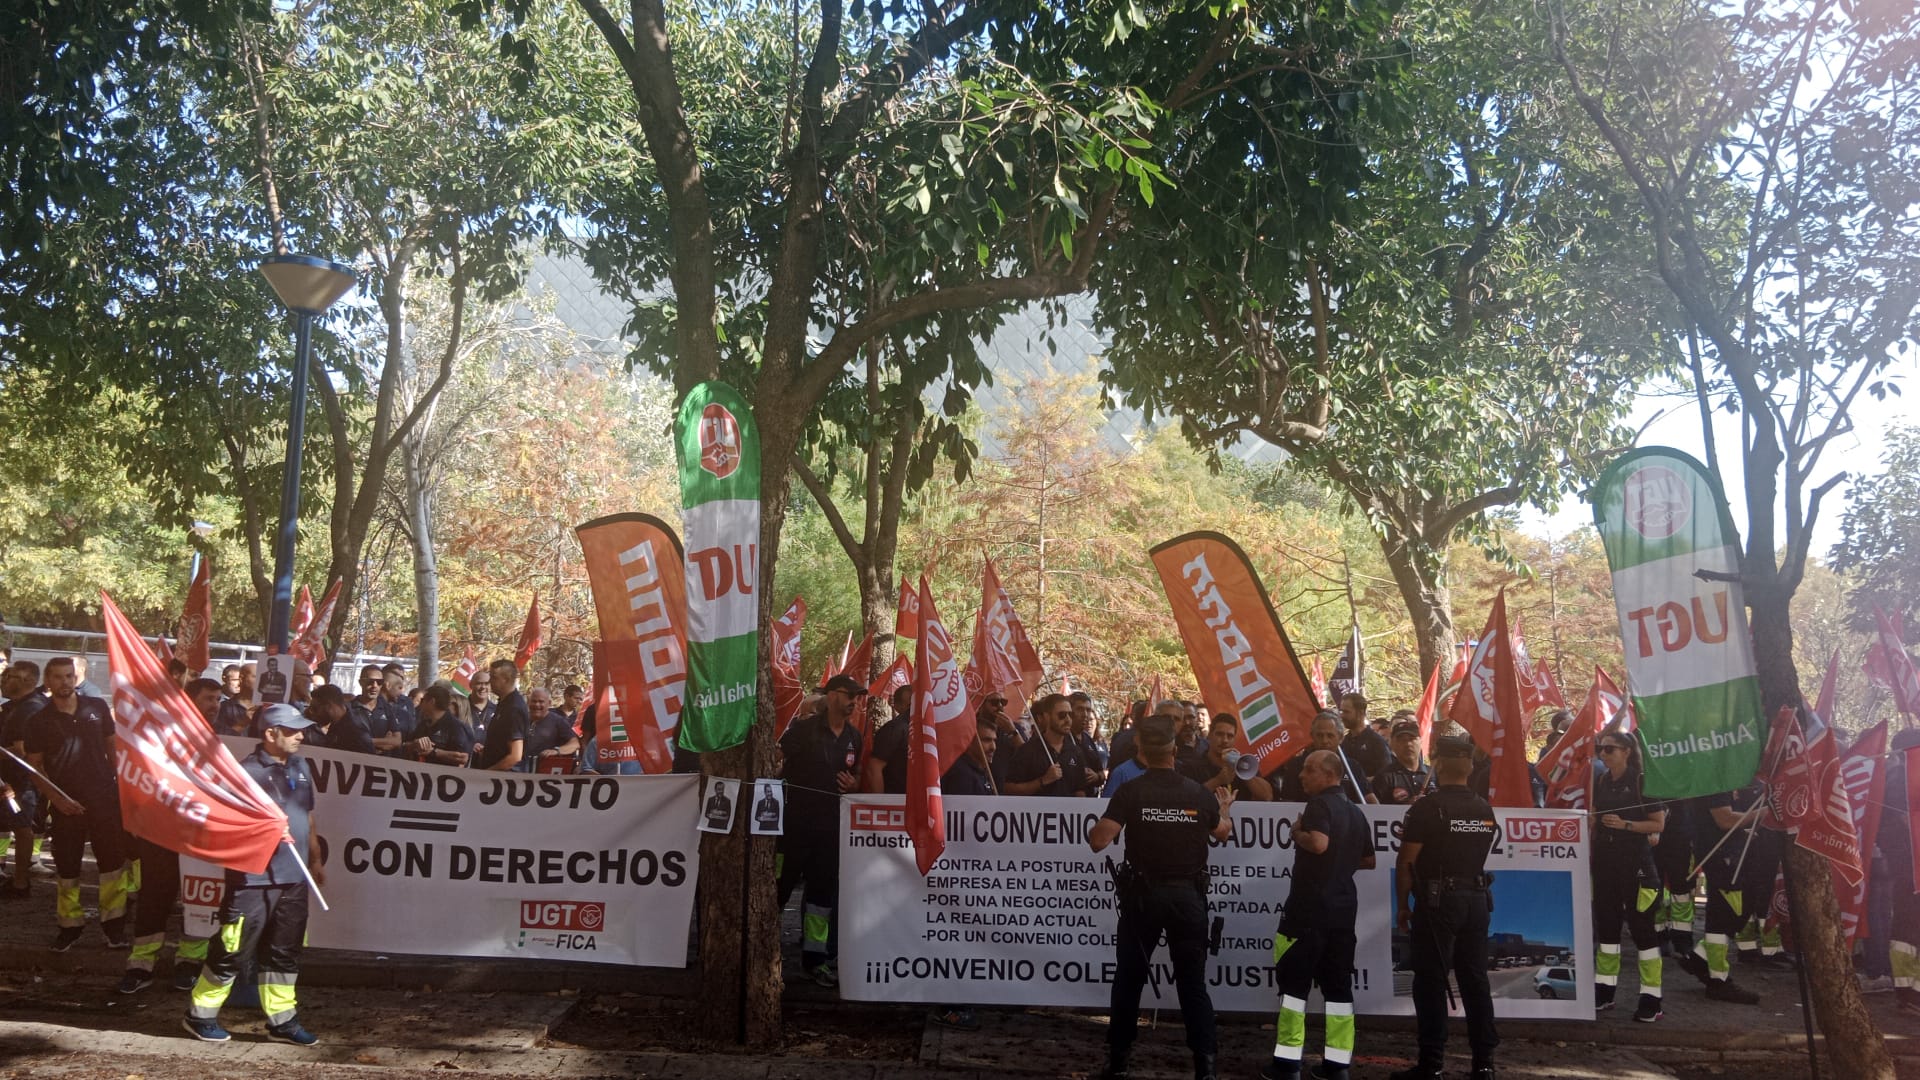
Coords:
292,1032
66,938
1877,984
955,1016
1276,1069
185,976
1327,1070
1422,1071
1729,991
824,975
117,937
135,981
1649,1009
205,1030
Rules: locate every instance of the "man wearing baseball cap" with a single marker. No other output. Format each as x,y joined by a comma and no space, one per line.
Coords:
264,915
822,754
1405,777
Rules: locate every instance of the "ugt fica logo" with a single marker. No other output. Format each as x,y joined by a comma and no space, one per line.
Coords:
570,925
719,441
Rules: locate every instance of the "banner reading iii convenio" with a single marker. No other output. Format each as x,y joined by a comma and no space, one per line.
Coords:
719,450
1689,657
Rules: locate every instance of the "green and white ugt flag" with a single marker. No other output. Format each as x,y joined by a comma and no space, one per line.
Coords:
1689,657
719,451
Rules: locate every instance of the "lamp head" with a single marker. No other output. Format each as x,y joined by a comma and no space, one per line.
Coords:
305,283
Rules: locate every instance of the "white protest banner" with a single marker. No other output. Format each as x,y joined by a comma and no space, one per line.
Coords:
1018,911
434,860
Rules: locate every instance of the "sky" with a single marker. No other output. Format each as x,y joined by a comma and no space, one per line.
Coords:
1670,417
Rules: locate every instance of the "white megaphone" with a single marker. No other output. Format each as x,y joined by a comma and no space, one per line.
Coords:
1245,766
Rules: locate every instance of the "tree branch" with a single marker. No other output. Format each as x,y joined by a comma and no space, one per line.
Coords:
824,498
1438,533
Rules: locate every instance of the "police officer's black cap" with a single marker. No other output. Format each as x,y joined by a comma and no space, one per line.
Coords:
1406,727
1156,733
1453,746
844,683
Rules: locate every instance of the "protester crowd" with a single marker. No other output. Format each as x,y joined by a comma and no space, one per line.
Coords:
1651,859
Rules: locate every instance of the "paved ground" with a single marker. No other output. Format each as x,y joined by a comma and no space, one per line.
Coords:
406,1016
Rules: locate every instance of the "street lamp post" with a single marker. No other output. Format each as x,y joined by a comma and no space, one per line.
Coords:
308,286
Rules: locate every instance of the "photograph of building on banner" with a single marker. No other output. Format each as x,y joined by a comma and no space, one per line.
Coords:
1018,910
599,869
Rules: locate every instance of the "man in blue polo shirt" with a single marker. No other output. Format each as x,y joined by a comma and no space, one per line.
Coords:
264,915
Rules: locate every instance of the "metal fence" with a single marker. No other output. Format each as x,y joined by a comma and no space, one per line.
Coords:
40,644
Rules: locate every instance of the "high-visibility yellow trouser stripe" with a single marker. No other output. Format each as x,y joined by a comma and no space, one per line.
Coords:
1606,965
814,923
1679,912
1906,965
1290,1028
1713,949
1770,942
1650,972
132,871
192,948
113,895
146,949
1646,899
66,903
1339,1049
276,996
207,996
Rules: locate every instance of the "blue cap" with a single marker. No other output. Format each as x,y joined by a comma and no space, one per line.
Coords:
284,716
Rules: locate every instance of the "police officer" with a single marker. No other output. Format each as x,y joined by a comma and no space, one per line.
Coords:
1161,886
1444,904
265,915
1315,942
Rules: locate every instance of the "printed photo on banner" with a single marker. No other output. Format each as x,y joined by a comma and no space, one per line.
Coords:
769,807
1530,951
283,679
716,813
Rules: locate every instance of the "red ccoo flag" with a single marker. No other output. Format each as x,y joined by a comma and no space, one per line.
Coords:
787,694
1489,708
1863,774
197,620
1567,765
1807,793
1003,656
310,646
179,787
529,635
942,727
1888,665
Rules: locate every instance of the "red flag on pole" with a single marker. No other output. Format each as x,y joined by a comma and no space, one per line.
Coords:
787,693
161,650
467,668
906,617
1805,792
1537,688
302,612
1489,708
1567,765
836,665
1888,665
859,662
1429,711
310,646
1156,694
1863,778
942,727
1317,679
529,635
179,787
1003,658
197,619
1912,763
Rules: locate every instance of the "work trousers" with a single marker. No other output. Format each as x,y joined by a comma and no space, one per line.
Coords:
72,833
159,888
1674,918
268,923
1180,911
1621,896
1323,957
812,859
1449,933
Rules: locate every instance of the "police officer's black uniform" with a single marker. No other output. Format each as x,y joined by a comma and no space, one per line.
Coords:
1451,909
1166,819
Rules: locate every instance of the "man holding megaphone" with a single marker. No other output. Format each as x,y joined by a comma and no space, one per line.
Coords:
1224,766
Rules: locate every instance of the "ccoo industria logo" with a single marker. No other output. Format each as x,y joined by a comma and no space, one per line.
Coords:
568,925
719,441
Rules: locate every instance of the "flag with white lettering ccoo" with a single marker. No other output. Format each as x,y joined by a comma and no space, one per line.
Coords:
637,573
1664,520
1240,654
719,451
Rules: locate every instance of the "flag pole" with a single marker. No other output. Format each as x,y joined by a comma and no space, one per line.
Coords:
42,777
306,873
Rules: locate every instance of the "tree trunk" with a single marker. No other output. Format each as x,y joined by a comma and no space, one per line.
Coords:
426,570
1850,1038
1423,588
877,605
740,970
